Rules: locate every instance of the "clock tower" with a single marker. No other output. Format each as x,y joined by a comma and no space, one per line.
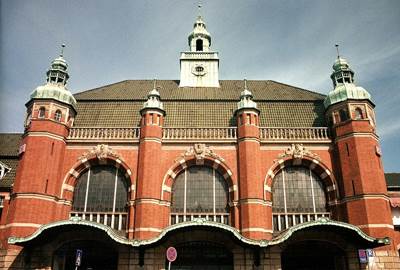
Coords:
199,66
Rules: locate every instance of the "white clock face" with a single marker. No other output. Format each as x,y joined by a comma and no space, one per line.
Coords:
199,70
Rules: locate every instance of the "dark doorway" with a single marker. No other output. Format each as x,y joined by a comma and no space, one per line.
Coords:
95,256
313,255
202,255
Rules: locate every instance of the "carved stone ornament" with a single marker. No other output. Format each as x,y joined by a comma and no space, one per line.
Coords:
200,151
101,151
298,151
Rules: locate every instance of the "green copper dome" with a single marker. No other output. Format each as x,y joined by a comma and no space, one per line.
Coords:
55,88
344,86
346,91
54,91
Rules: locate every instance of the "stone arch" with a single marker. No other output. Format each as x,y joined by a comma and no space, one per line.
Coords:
316,167
180,165
91,159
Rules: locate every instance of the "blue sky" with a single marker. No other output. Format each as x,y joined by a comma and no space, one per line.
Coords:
287,41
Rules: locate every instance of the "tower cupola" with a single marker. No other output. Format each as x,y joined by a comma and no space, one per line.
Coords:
246,99
199,39
153,100
55,87
343,82
199,65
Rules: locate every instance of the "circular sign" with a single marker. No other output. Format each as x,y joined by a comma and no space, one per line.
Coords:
171,254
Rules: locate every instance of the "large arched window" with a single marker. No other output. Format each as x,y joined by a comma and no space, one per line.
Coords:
298,196
101,195
199,192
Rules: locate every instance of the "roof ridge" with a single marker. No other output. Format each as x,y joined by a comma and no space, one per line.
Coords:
299,88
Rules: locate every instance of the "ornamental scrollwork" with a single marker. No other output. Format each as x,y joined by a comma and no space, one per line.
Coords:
298,151
101,151
200,151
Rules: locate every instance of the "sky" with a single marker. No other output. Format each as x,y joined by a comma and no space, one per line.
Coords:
290,41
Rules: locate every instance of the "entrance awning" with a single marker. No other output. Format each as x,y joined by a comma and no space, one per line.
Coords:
323,224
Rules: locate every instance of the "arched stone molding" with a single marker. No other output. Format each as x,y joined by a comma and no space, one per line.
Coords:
212,161
99,155
316,166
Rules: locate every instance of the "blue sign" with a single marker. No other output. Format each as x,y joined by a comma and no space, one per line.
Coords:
78,259
370,253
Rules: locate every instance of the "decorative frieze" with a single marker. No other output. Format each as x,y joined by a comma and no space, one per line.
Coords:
298,151
101,151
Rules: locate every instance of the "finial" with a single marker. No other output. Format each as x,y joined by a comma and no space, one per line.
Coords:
245,83
62,50
155,83
337,50
199,7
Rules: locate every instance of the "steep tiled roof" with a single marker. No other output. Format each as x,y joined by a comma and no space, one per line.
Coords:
119,104
392,180
9,144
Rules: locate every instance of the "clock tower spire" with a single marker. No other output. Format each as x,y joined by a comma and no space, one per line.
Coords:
199,65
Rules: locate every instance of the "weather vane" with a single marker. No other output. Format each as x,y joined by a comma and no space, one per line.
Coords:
199,6
337,50
62,50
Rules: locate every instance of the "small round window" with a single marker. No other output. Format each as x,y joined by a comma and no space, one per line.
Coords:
199,69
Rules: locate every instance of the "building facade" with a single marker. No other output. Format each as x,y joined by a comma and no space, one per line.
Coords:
233,174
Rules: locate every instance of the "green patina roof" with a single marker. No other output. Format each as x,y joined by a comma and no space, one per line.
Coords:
119,104
346,91
54,91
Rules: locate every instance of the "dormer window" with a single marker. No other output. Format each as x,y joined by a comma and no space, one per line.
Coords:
199,45
57,115
42,112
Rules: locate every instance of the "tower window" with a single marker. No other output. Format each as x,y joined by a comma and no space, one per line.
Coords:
199,45
57,116
42,112
358,114
343,115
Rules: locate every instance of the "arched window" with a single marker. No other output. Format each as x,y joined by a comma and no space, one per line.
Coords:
358,114
199,45
101,195
57,115
298,196
42,112
199,192
343,115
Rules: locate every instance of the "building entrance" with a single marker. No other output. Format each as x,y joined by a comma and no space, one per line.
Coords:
313,255
202,255
95,256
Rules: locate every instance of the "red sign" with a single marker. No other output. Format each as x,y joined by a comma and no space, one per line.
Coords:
171,254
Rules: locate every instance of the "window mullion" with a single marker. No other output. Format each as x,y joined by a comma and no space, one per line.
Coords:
214,211
87,190
312,190
115,190
184,195
284,190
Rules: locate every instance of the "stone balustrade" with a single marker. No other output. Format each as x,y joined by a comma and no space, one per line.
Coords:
175,134
294,134
182,134
104,134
